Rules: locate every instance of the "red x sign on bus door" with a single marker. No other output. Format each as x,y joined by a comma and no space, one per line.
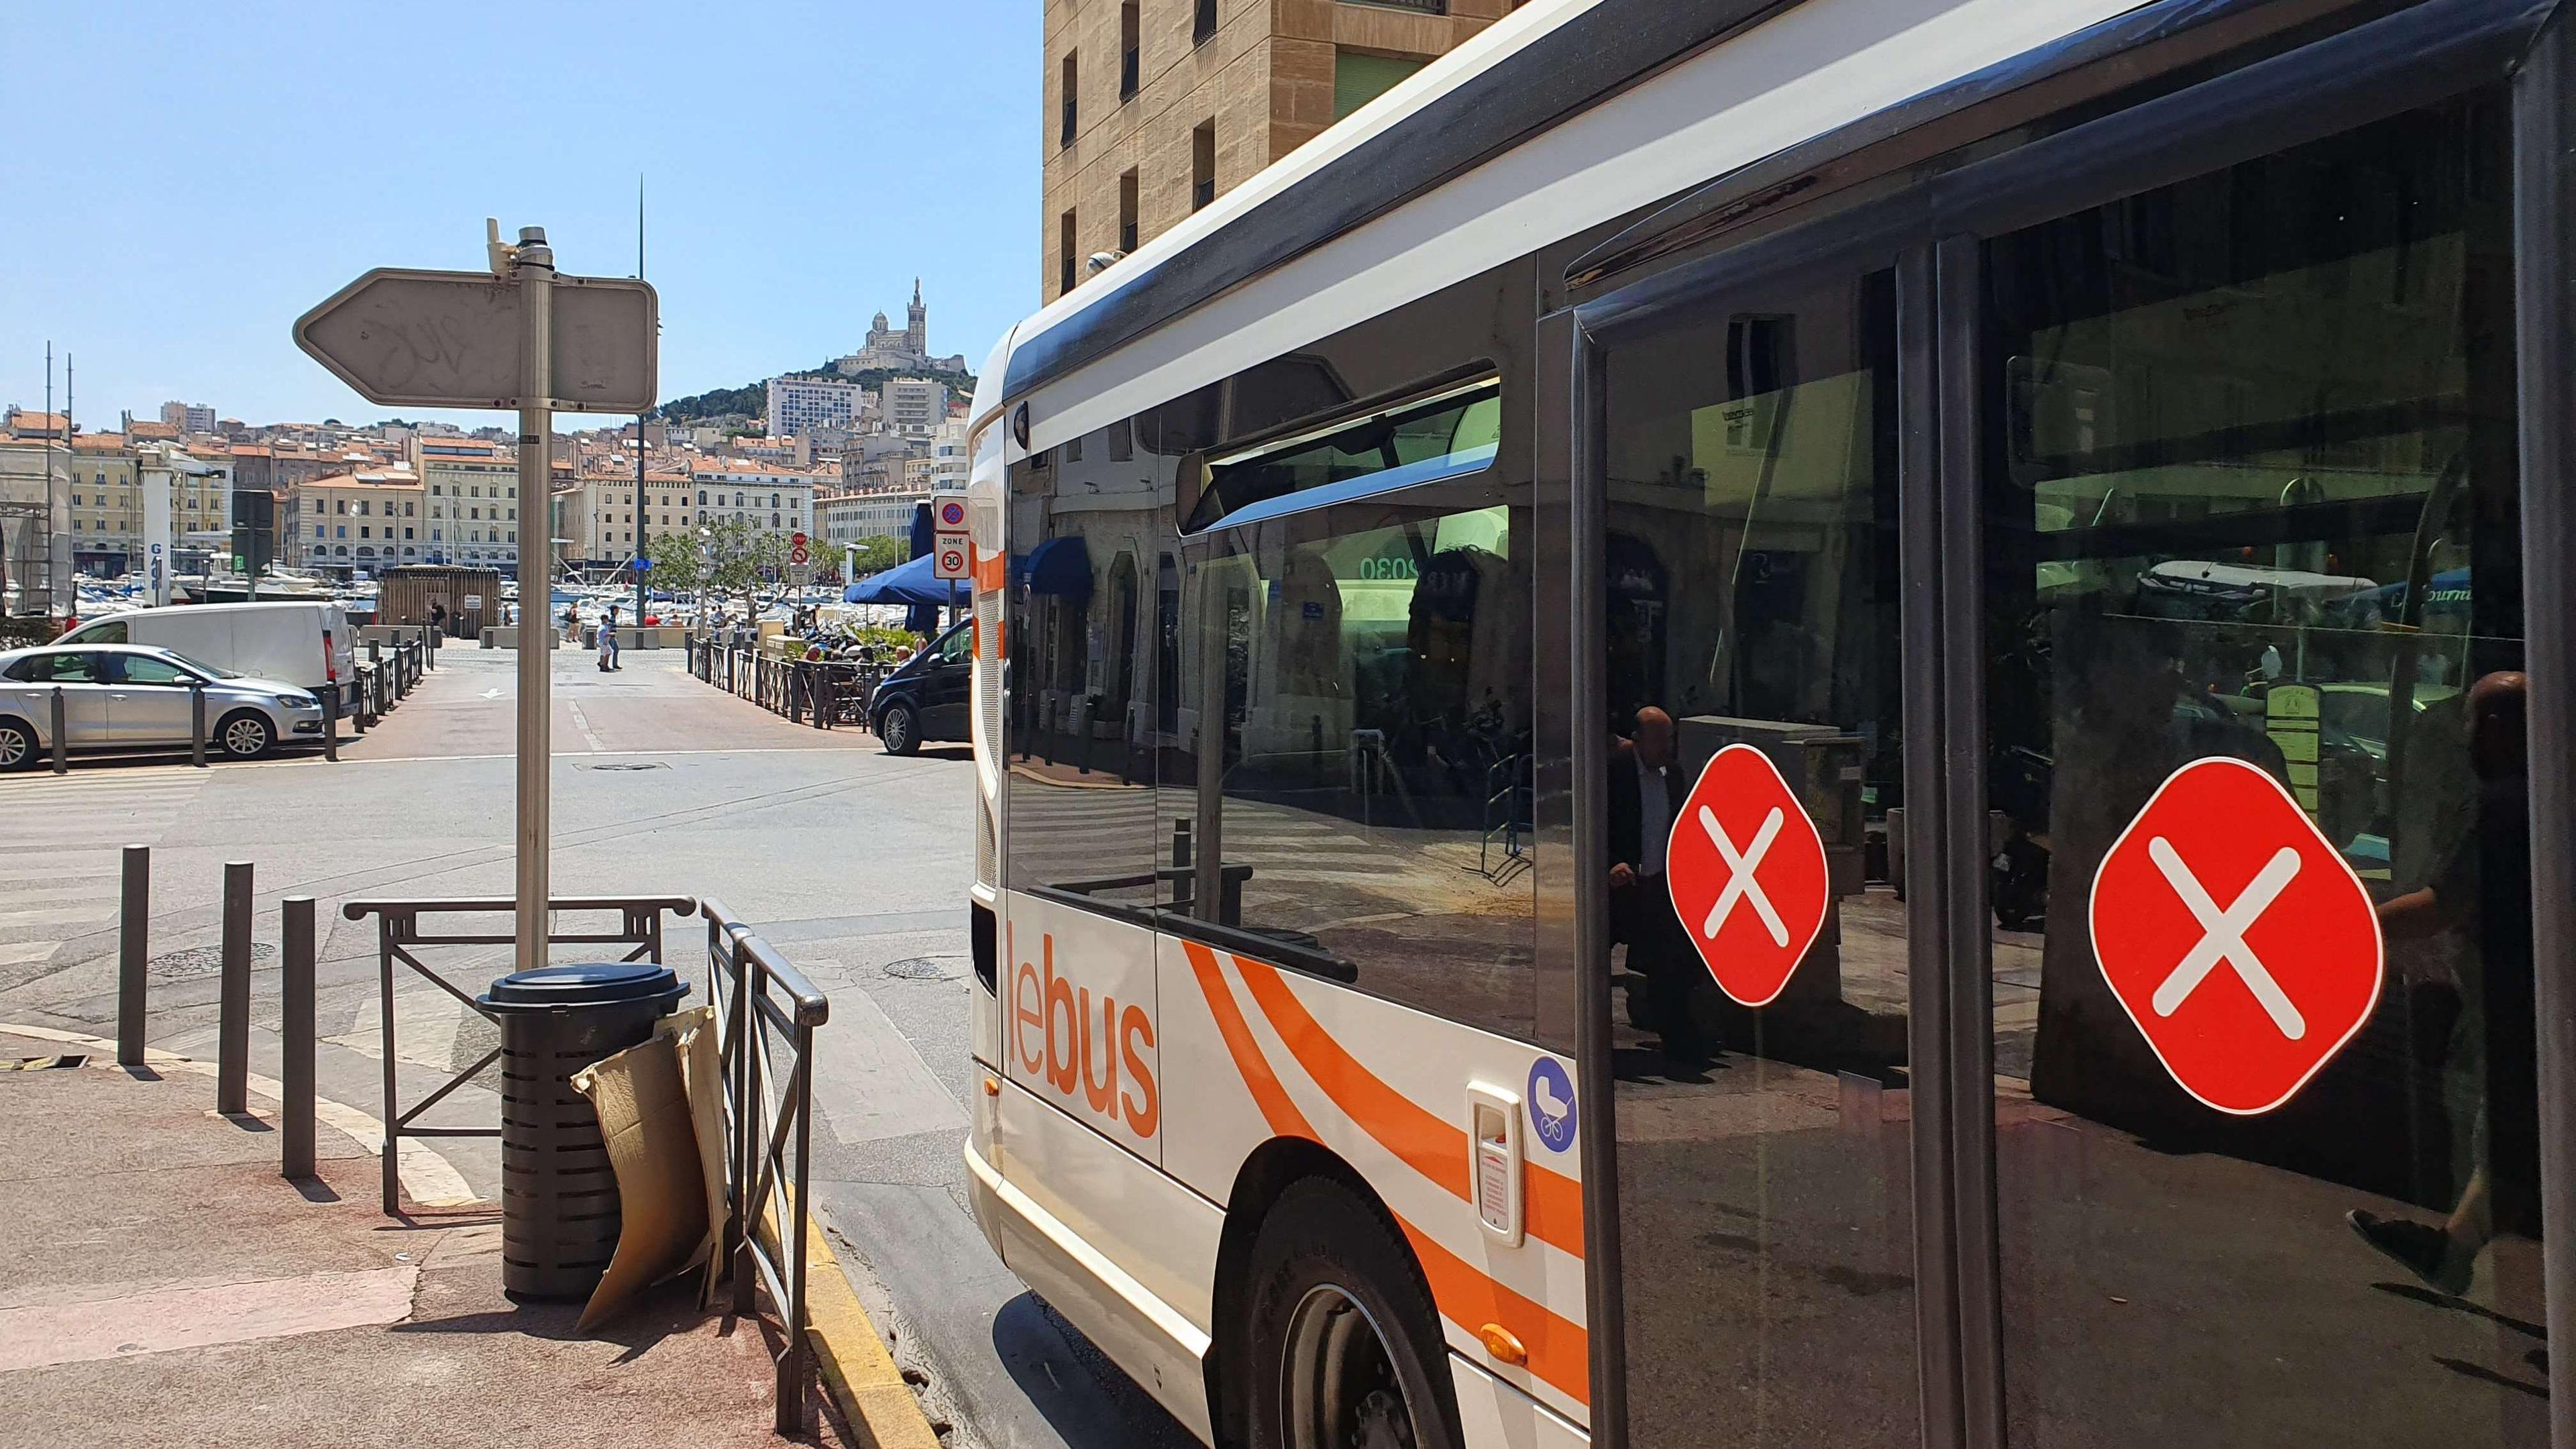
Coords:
1747,869
2235,936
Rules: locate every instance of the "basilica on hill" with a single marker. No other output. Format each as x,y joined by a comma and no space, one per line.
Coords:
904,351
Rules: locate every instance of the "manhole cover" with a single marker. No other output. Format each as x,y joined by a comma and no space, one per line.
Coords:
201,961
646,765
927,968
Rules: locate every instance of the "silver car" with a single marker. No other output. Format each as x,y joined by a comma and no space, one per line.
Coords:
134,697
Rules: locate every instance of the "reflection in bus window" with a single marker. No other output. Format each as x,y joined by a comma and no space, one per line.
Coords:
1452,432
1080,786
2251,492
1368,667
1764,1209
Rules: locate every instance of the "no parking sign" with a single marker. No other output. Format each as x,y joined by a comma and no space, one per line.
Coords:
2235,936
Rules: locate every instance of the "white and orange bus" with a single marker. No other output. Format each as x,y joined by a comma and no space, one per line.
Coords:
1630,791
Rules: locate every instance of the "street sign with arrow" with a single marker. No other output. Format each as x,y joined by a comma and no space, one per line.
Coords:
410,338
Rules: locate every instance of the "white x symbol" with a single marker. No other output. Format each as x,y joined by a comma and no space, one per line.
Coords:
2223,935
1740,882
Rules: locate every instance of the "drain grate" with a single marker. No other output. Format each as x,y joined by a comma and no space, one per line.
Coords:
201,961
41,1064
647,765
927,968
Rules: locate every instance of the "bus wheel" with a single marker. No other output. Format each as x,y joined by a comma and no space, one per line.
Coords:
1345,1345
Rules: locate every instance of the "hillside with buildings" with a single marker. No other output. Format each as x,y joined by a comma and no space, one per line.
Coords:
838,455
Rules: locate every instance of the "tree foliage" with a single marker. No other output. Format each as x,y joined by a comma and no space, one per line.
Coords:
677,564
741,558
728,556
876,555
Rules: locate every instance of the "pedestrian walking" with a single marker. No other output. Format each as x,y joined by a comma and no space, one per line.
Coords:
608,641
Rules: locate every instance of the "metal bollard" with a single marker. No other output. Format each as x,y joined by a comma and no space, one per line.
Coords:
331,722
62,747
134,925
295,1026
358,706
197,725
232,1013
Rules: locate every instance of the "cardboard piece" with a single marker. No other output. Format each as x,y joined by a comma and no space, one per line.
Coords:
669,1164
702,1075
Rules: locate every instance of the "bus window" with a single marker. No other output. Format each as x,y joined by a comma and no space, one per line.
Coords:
1079,794
2251,494
1764,1211
1369,665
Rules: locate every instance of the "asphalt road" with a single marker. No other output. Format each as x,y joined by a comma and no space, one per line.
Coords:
855,864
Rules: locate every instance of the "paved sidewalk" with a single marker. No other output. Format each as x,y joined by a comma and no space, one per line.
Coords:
160,1284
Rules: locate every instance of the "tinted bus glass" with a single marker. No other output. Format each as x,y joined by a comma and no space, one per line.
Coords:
1764,1215
2251,495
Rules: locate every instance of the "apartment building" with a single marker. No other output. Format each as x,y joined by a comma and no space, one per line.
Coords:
948,456
599,515
349,523
851,517
108,475
800,406
191,419
771,498
106,511
913,407
1154,108
470,500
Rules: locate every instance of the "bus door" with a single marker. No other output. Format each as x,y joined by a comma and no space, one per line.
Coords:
2065,853
2293,1196
1760,969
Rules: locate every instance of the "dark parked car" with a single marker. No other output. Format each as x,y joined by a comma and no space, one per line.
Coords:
926,697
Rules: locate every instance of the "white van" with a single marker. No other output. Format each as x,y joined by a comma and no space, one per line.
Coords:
305,643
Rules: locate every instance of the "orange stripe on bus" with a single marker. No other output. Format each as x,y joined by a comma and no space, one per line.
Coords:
1560,1352
1559,1349
1551,1203
1276,1108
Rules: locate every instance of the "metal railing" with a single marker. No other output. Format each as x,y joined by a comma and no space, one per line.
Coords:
399,934
825,693
767,1008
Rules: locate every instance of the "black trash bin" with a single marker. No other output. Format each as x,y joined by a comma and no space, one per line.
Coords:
559,1211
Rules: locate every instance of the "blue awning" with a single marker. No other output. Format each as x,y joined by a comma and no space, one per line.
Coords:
1059,566
905,583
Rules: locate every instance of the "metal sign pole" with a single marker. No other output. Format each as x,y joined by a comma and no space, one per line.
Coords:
534,267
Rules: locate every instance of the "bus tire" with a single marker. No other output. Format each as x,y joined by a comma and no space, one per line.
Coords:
1344,1343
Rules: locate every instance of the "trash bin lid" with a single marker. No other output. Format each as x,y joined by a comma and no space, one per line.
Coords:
585,983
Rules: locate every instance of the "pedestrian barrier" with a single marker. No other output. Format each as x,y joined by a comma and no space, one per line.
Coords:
232,1010
764,1005
295,1032
399,934
826,693
133,946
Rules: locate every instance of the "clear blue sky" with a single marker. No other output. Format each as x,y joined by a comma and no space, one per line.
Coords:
185,179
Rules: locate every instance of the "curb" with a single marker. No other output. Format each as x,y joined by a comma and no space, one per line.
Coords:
850,1358
430,1180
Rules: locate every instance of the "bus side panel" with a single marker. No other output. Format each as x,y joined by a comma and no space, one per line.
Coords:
1129,1256
1494,1415
1078,1015
1260,1052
